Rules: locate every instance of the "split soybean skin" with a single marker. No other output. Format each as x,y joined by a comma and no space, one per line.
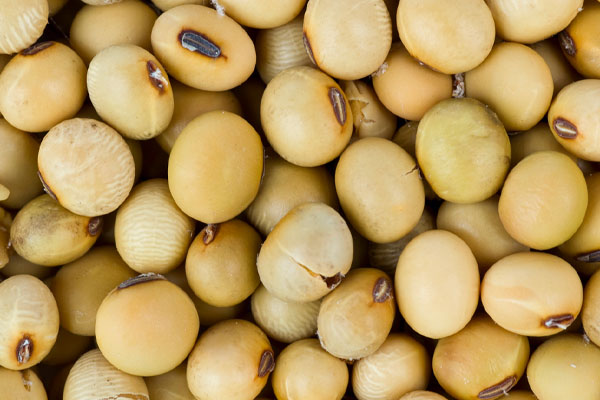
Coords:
293,199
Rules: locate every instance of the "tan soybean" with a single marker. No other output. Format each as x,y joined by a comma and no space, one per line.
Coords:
21,385
422,395
529,208
285,186
215,167
562,72
307,254
538,138
262,14
94,378
580,41
127,332
590,313
80,287
45,233
399,366
437,284
22,23
407,88
379,189
28,322
304,370
532,21
564,366
18,166
165,5
87,166
190,103
463,150
479,225
203,49
221,263
231,360
170,386
448,39
131,91
98,27
42,86
280,48
151,233
20,266
482,361
356,318
574,118
284,321
371,118
515,82
532,294
306,116
346,39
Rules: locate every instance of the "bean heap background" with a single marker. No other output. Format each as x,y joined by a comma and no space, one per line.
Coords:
299,200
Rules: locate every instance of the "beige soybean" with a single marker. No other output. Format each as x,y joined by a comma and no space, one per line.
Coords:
22,23
422,395
28,322
306,116
371,118
151,233
203,49
580,41
280,48
463,150
45,233
584,245
590,313
562,72
304,370
356,318
307,254
482,361
574,118
385,255
80,287
379,189
529,208
448,39
94,378
479,225
98,27
127,332
170,386
231,360
18,166
87,166
532,294
42,86
285,186
284,321
399,366
407,88
165,5
538,138
68,348
221,263
209,315
347,40
564,366
131,91
5,224
215,167
437,284
515,82
20,266
262,14
21,385
533,21
190,103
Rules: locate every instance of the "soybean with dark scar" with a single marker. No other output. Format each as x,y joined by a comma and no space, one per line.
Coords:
198,43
